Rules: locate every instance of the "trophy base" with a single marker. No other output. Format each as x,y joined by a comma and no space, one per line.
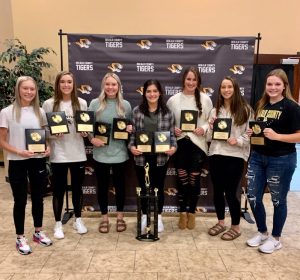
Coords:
148,237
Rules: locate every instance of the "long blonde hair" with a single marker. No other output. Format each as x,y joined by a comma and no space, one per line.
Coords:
102,97
279,73
35,103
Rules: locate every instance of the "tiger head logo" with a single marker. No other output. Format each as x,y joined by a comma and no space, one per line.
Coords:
200,209
175,68
112,190
85,89
115,67
207,90
83,43
171,191
209,45
238,69
144,44
140,90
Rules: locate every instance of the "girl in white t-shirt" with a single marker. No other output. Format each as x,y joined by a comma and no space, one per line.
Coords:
24,164
67,151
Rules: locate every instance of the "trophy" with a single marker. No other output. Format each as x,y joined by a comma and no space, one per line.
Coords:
188,120
35,140
102,131
84,121
257,138
57,122
151,199
144,141
221,129
119,129
161,141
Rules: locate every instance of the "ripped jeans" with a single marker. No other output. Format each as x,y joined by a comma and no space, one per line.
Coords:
277,172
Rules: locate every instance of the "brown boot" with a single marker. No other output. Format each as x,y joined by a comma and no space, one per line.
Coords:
191,220
182,220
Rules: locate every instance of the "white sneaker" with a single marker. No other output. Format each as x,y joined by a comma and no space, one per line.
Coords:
42,238
22,246
257,240
143,223
160,226
270,245
58,231
79,226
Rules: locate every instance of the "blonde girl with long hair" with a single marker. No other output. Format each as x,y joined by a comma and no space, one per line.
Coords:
109,105
25,113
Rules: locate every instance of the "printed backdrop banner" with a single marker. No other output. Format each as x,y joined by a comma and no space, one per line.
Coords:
137,58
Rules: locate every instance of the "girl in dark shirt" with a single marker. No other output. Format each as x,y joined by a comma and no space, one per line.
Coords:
275,162
152,115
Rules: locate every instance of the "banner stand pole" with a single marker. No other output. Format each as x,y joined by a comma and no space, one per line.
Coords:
60,34
69,212
244,211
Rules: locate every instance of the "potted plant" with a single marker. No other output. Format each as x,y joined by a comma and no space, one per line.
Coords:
17,61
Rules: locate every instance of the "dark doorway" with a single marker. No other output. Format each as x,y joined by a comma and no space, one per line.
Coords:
260,72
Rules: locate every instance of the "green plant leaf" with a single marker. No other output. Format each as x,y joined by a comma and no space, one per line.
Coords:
17,61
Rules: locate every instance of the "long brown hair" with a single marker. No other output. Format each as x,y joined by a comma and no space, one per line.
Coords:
161,104
58,95
195,71
279,73
239,108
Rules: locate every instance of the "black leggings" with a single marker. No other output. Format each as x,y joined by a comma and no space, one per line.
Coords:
19,172
60,183
103,176
157,176
226,173
189,160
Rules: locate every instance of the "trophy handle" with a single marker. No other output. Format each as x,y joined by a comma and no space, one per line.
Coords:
139,210
155,213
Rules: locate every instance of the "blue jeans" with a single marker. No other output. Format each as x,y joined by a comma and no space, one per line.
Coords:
277,172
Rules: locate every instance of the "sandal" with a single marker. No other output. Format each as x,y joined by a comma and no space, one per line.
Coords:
104,227
121,225
230,235
216,229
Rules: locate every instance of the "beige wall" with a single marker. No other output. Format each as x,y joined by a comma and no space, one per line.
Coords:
37,22
6,24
